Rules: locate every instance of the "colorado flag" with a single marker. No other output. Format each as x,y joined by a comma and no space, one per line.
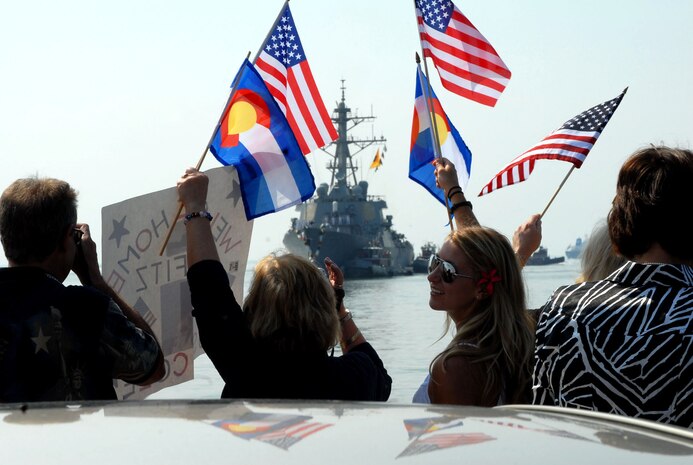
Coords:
423,151
255,137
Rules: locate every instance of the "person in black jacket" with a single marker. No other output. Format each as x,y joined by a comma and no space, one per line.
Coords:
277,345
62,343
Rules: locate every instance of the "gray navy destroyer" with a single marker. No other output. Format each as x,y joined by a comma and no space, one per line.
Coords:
342,221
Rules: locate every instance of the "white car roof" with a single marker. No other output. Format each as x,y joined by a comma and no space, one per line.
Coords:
271,432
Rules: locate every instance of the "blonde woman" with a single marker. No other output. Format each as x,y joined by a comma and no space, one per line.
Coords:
476,280
277,345
599,259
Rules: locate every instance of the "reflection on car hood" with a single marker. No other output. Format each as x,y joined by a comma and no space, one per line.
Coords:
196,432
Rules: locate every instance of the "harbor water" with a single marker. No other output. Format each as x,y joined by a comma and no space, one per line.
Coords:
394,315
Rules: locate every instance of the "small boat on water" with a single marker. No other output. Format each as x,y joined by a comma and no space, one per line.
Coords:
575,250
420,264
541,257
371,262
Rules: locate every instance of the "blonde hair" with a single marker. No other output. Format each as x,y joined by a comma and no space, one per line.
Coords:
599,258
500,333
291,305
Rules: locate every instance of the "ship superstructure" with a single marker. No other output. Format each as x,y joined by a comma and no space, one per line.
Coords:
342,221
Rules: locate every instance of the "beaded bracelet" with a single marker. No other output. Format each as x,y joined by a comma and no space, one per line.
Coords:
200,214
465,203
454,190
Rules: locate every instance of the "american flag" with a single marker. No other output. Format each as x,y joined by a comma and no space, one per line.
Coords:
443,441
571,142
280,430
283,66
290,435
467,63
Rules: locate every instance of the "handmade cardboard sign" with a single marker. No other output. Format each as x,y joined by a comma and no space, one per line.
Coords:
156,286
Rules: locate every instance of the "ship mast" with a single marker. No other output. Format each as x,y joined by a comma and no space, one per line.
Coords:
342,165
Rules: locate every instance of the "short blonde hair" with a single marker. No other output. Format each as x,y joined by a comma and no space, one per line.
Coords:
291,305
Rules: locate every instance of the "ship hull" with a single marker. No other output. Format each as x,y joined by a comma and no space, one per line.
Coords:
420,265
354,254
545,261
316,245
541,257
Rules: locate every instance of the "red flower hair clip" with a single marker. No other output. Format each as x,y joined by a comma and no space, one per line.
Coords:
489,278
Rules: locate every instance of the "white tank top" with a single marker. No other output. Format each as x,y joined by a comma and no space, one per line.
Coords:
421,394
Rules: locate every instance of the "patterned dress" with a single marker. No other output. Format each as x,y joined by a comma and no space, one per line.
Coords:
621,345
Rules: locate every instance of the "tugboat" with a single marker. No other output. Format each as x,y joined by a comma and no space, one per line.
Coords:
421,262
342,221
541,257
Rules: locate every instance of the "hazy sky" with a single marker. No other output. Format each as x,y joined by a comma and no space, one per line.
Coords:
118,98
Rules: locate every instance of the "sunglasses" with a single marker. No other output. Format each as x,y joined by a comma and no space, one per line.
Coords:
77,235
448,271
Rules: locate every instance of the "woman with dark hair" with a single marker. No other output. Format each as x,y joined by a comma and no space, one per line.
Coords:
277,345
476,280
624,344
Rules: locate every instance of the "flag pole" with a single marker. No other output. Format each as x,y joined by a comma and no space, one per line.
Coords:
434,127
430,91
202,158
274,26
573,167
557,190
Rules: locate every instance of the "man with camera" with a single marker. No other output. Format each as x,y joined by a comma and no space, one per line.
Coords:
62,342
